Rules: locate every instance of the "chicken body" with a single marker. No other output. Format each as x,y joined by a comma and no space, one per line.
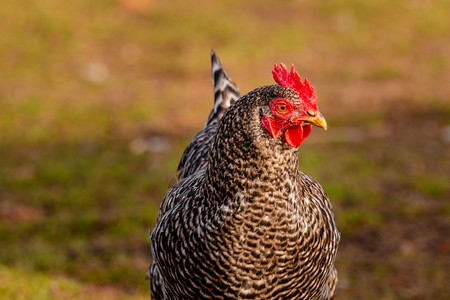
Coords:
246,223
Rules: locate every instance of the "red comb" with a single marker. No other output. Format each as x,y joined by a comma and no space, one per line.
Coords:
292,80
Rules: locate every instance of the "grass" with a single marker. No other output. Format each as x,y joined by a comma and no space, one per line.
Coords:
84,84
42,286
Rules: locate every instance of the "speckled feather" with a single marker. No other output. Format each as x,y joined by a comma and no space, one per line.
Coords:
226,93
247,224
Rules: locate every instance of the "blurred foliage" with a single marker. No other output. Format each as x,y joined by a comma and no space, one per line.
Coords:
99,98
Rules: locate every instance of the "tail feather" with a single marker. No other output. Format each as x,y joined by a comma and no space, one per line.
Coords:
226,92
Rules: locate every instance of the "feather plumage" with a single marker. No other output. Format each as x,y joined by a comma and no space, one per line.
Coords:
225,94
244,223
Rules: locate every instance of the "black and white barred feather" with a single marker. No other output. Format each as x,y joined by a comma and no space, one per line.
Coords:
225,94
244,222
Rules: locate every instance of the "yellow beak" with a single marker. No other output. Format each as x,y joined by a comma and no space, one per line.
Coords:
317,120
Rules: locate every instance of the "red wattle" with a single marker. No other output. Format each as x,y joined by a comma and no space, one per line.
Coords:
306,131
294,136
271,125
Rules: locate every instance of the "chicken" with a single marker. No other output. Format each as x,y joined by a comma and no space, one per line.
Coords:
243,222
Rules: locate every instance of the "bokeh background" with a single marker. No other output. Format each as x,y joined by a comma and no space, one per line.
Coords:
99,98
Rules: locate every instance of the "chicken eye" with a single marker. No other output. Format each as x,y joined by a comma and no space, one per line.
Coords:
282,108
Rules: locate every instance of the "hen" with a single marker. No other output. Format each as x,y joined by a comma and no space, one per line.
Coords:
243,222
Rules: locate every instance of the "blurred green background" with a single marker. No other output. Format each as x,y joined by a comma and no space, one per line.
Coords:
99,98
